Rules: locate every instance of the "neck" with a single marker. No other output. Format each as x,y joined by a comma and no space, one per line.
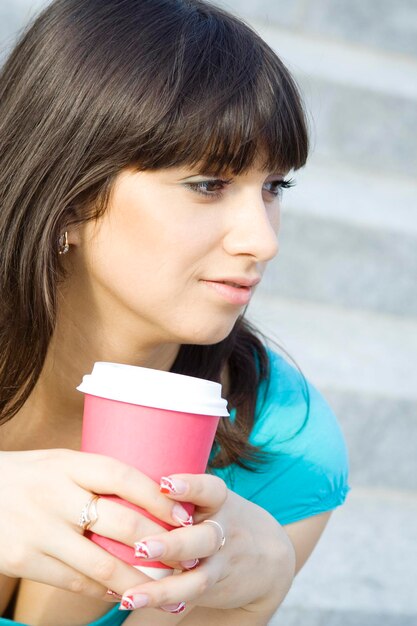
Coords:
52,415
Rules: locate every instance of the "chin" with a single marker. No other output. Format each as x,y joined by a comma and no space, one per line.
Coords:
209,336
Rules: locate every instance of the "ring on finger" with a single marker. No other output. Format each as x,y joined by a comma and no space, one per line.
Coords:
223,538
89,515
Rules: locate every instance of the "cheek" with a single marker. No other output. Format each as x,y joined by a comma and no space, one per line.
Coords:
140,240
153,258
275,217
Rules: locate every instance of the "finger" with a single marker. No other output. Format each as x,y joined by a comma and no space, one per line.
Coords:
85,557
173,593
116,521
206,491
121,523
104,475
182,544
45,569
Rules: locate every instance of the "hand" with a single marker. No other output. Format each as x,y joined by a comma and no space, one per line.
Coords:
42,494
254,569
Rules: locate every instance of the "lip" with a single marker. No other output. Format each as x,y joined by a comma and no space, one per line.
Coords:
237,296
241,281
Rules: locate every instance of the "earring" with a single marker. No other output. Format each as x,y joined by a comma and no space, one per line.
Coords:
63,245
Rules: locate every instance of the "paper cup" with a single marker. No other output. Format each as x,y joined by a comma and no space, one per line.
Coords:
159,422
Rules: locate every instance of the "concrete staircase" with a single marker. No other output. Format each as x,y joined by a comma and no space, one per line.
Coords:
342,297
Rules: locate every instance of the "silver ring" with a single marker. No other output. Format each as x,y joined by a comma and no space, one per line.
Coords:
223,539
89,514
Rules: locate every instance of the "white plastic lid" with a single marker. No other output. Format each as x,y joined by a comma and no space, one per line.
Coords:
154,388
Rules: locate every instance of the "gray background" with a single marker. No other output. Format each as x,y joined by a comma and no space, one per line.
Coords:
341,297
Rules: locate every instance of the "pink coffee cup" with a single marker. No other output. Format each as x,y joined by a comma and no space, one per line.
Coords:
159,422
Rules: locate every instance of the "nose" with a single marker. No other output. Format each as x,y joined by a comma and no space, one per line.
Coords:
253,230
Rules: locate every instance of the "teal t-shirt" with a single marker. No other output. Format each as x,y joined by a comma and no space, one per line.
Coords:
307,473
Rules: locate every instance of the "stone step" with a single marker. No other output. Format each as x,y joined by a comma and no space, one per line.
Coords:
363,571
352,196
381,435
332,59
350,91
350,101
321,617
343,350
357,127
380,26
327,259
366,366
289,616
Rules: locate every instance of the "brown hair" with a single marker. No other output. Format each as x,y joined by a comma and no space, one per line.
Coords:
95,86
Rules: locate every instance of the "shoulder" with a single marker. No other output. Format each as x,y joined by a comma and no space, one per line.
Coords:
306,471
292,415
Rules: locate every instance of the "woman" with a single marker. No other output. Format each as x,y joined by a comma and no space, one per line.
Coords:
144,148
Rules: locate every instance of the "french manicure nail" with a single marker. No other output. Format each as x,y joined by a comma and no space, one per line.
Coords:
173,608
133,601
181,515
149,549
173,486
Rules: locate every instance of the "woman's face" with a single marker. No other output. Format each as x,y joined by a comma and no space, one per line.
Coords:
178,253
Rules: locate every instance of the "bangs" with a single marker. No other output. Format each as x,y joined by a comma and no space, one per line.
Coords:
230,102
164,83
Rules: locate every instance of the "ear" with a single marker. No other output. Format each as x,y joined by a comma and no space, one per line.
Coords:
74,238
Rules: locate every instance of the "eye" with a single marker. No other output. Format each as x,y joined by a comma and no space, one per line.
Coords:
275,187
212,188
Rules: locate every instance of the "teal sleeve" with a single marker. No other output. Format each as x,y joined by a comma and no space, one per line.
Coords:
307,471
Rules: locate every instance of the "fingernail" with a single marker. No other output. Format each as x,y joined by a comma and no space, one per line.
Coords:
133,601
113,594
190,564
174,486
149,549
181,515
173,608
